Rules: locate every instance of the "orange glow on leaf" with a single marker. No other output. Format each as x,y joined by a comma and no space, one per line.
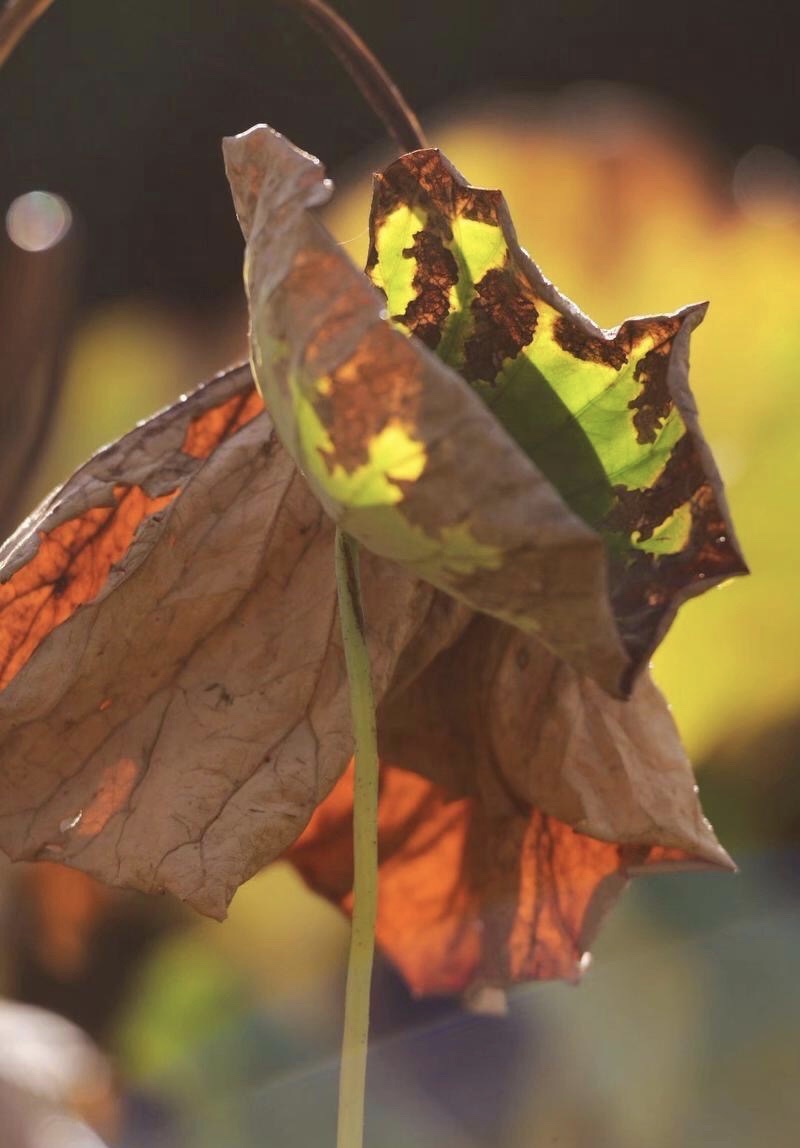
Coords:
208,430
466,898
69,569
112,796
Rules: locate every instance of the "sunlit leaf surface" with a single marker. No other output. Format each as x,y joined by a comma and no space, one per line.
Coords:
601,427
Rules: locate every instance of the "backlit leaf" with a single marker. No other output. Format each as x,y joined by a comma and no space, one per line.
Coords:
469,895
174,710
400,452
173,695
497,715
174,703
404,459
607,416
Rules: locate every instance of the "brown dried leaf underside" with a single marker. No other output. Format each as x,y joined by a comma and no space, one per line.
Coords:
179,590
467,898
497,716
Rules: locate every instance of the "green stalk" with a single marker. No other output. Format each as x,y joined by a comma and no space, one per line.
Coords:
352,1076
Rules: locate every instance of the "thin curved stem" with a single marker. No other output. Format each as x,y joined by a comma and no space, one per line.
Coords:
16,18
372,79
352,1075
367,72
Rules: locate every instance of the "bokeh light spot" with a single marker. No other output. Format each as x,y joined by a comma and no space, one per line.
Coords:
38,220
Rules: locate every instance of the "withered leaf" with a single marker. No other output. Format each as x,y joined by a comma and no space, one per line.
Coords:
173,696
607,415
400,452
174,709
473,897
577,501
186,709
497,716
484,879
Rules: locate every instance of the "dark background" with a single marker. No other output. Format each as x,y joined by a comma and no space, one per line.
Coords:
120,107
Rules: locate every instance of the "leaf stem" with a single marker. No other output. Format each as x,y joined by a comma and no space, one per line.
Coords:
352,1075
16,17
367,72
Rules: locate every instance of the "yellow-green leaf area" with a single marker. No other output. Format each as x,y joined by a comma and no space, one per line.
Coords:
393,456
671,536
593,411
394,274
574,418
367,500
477,248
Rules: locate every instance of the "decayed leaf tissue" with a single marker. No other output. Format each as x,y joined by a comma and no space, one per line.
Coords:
534,501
